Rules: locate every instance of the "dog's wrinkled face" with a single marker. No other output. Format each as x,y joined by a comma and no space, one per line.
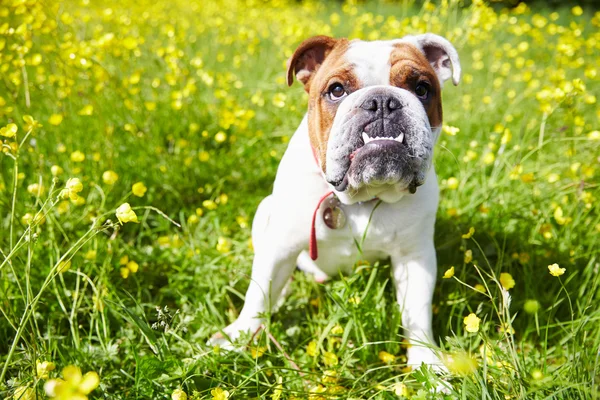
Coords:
374,110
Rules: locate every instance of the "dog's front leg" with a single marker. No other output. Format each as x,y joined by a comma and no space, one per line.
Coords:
414,275
277,244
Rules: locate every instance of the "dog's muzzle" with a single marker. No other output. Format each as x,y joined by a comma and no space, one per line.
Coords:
380,137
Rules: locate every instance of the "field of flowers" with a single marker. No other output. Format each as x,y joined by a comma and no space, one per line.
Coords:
138,138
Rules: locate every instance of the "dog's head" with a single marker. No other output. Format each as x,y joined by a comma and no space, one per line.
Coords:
375,110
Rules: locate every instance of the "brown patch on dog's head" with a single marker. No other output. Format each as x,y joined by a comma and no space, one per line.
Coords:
318,63
409,68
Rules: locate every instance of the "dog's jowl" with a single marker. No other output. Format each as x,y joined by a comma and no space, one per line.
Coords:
374,115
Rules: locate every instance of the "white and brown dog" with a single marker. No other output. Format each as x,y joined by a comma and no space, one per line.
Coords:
361,159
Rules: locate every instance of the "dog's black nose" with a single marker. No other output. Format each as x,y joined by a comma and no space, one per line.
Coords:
381,102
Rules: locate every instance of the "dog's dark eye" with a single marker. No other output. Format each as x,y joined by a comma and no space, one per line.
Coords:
422,91
336,92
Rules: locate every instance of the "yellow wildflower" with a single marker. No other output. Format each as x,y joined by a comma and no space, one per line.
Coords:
223,245
9,130
471,322
219,394
400,389
56,170
220,137
386,357
469,234
461,363
55,119
72,187
77,156
44,368
139,189
468,256
73,386
330,359
209,205
507,281
110,177
452,183
133,266
312,349
449,273
178,394
555,270
63,266
30,123
126,214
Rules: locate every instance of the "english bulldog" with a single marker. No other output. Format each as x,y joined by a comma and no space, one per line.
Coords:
357,170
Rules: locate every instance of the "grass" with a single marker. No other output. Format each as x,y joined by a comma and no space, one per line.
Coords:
189,99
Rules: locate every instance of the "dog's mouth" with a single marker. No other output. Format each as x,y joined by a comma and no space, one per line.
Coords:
380,160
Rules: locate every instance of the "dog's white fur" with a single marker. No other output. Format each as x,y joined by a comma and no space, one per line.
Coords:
401,228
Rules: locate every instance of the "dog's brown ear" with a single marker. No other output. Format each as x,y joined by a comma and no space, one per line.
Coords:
307,59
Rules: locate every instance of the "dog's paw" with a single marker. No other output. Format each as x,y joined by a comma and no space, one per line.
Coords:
227,338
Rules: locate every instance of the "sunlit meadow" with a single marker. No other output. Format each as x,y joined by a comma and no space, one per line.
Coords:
138,138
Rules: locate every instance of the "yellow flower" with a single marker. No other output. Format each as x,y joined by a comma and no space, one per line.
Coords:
469,234
133,266
452,183
386,357
44,368
126,214
139,189
36,189
124,272
9,130
63,266
257,352
86,110
223,245
55,119
577,11
594,135
90,255
471,322
219,394
77,156
24,393
56,170
279,100
209,205
312,349
178,394
450,130
461,363
220,137
400,389
110,177
449,273
337,330
479,287
555,270
559,216
468,256
507,281
72,187
204,156
330,359
30,123
73,386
